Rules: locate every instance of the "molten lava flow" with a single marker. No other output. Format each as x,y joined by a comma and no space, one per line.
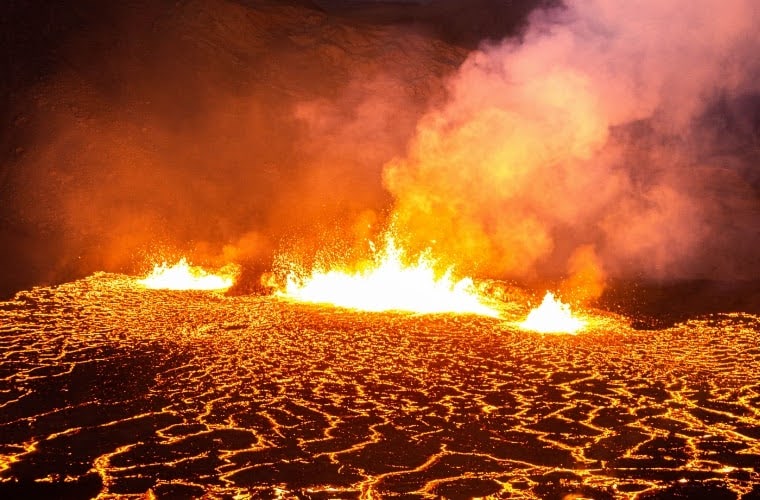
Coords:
552,316
183,276
389,284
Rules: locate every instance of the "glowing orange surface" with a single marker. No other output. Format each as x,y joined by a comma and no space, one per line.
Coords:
111,390
389,284
552,316
184,276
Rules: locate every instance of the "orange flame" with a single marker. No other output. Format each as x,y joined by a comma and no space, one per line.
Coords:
552,316
389,284
183,276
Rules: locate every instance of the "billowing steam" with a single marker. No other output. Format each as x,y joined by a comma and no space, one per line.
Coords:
608,138
615,136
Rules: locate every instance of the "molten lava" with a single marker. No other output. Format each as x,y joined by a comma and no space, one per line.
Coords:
552,316
183,276
389,284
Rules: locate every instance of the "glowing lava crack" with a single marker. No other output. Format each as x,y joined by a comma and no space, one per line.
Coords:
389,284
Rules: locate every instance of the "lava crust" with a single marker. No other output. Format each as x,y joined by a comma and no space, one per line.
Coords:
108,389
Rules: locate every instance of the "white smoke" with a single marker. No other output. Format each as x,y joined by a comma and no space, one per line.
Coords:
600,127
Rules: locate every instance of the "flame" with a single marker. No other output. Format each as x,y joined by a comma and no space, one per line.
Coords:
183,276
387,283
552,316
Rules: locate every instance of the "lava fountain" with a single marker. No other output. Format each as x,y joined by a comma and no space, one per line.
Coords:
552,316
388,283
184,276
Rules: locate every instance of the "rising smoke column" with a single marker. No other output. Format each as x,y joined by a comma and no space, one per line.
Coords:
608,135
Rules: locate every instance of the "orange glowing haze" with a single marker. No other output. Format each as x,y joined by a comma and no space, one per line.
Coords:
388,283
602,140
590,133
184,276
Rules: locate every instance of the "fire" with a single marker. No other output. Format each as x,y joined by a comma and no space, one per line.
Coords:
552,316
389,284
183,276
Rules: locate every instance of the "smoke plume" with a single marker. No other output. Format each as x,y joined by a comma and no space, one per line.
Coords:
604,139
609,137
